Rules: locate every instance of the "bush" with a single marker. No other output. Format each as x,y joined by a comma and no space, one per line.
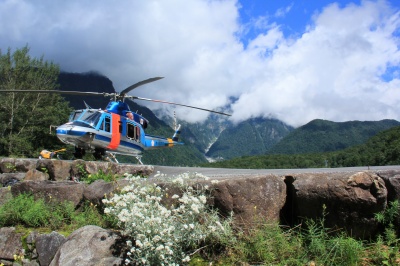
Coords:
166,236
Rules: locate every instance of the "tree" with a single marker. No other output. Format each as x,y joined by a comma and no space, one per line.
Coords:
26,117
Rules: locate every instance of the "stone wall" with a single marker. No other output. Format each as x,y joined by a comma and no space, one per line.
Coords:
349,201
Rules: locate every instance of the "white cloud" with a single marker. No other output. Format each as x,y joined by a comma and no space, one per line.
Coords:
332,71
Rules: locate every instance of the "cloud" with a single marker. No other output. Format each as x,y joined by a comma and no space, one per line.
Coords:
334,70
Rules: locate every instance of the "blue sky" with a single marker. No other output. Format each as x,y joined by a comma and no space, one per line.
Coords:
291,60
293,16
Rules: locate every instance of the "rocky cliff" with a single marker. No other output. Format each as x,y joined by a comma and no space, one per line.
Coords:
350,201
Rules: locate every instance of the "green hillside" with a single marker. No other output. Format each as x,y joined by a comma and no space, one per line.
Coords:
250,137
324,136
382,149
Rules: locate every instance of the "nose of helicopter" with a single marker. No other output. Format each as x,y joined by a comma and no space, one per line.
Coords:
70,134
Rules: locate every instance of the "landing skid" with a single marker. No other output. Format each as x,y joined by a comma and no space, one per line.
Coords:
111,157
139,158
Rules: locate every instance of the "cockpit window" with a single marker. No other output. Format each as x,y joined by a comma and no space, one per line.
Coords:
81,114
88,113
74,115
92,119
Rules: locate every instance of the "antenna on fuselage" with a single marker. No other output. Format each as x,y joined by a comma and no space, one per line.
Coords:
87,105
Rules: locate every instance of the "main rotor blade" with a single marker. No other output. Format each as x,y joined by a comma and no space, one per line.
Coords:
57,91
179,104
140,83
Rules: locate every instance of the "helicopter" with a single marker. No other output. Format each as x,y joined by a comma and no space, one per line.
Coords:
115,129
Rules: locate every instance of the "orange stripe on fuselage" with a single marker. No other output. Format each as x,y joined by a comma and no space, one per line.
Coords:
115,134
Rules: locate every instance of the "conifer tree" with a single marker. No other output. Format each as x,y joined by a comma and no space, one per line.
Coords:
26,117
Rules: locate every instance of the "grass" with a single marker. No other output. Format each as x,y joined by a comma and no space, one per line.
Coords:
310,243
27,211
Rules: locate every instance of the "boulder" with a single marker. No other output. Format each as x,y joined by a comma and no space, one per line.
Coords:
143,170
89,245
348,200
392,183
7,165
99,189
80,169
250,198
58,170
91,167
5,195
51,190
35,175
10,243
24,165
47,246
30,244
9,179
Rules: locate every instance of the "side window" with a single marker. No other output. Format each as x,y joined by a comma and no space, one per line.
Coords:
131,131
106,124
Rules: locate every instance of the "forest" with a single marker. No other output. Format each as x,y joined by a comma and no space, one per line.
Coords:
381,149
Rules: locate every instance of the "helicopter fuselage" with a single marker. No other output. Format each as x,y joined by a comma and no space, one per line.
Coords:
103,131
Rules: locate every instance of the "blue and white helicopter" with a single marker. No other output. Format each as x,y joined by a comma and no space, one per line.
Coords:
115,130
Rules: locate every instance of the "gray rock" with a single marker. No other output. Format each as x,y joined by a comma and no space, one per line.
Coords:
51,190
47,246
58,170
5,195
35,175
250,197
24,165
392,183
145,170
7,165
10,243
9,179
89,245
96,191
351,200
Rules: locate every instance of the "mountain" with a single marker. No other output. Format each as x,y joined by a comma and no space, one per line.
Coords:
381,149
251,137
87,82
323,136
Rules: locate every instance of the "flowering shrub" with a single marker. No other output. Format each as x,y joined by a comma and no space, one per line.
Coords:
165,235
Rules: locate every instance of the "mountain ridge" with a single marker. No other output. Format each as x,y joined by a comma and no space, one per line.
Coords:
321,135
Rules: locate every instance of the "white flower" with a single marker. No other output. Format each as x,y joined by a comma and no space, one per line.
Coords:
156,238
186,259
139,243
203,199
160,247
160,231
195,208
220,225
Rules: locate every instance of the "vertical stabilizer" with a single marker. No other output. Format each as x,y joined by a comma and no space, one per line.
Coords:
175,137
